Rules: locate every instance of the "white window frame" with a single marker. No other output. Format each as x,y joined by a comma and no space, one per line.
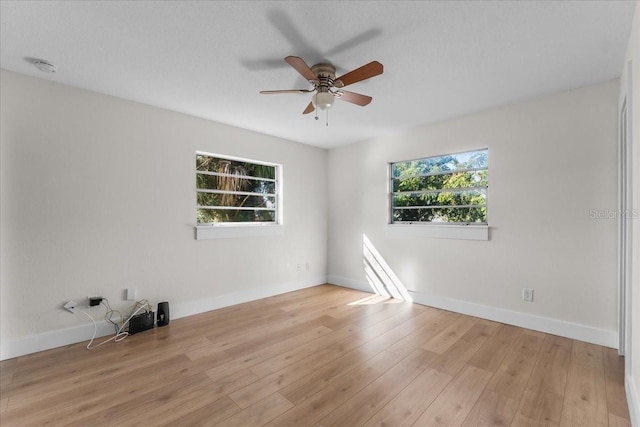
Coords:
242,229
443,230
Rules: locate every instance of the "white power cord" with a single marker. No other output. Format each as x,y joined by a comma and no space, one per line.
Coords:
120,334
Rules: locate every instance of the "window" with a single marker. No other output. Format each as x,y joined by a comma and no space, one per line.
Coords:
236,191
449,189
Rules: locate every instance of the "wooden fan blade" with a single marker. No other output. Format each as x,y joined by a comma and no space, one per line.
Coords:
367,71
309,108
300,66
355,98
272,92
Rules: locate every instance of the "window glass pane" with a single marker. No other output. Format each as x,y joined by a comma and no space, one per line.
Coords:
474,159
436,182
450,188
234,167
235,190
444,198
425,214
229,183
441,164
234,215
238,200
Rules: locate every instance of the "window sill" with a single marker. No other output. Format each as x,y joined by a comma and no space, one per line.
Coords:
207,232
439,231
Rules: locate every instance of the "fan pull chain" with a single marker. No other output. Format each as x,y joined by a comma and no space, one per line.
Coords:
316,110
327,117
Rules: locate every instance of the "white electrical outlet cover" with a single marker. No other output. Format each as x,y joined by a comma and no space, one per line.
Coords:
70,306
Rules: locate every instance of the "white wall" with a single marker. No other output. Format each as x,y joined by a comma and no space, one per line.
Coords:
551,162
632,379
98,194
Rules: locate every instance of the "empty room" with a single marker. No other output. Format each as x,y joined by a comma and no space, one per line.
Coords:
320,213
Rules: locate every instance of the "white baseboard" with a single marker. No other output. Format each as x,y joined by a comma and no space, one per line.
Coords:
548,325
189,308
632,400
61,337
52,339
350,283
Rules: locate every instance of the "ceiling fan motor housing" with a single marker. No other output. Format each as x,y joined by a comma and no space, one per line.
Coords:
326,73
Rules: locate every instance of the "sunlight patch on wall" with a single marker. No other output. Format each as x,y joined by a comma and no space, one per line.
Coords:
380,276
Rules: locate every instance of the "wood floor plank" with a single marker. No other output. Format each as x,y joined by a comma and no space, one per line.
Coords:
260,354
372,397
494,350
452,360
511,377
399,325
94,411
256,343
585,400
450,335
544,394
368,345
491,409
317,380
615,421
317,357
36,395
587,354
550,372
539,407
284,359
335,392
614,380
389,310
432,323
320,367
210,415
166,409
319,362
455,402
412,401
260,412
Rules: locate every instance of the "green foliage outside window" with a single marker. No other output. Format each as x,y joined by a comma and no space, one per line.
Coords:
449,189
235,191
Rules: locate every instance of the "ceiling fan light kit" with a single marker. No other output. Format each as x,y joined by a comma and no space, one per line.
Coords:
326,88
323,100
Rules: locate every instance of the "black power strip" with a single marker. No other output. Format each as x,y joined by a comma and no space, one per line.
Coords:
141,322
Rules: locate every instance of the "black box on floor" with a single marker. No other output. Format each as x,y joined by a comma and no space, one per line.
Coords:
141,322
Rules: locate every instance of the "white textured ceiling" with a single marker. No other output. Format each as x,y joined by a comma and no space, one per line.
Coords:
210,59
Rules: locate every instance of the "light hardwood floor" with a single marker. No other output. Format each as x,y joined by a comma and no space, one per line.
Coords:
323,356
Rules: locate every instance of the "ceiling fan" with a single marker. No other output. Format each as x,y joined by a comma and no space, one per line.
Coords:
326,87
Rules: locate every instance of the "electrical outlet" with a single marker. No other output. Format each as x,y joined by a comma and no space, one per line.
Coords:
527,294
299,267
131,294
70,307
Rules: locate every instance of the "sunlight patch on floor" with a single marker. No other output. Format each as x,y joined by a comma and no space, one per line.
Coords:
376,299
